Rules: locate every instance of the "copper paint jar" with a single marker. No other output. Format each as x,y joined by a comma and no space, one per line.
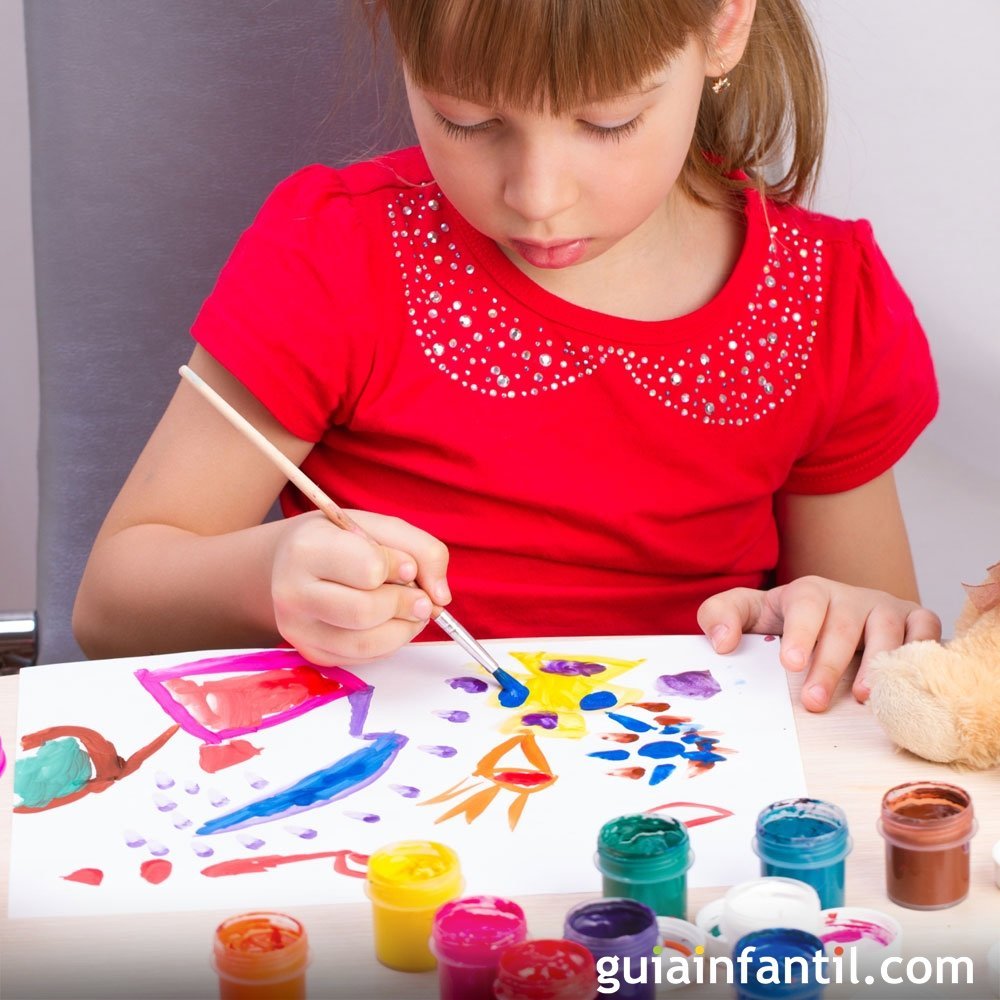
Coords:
927,827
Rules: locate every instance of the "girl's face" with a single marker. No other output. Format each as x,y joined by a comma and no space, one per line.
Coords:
556,191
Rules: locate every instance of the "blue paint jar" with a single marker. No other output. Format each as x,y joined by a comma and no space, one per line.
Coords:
624,929
808,840
782,954
646,857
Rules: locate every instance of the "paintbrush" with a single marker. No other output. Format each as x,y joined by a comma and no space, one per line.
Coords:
513,693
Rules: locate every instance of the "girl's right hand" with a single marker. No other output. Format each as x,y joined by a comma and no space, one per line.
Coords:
340,598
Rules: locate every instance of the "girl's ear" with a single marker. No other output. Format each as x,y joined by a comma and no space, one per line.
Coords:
731,29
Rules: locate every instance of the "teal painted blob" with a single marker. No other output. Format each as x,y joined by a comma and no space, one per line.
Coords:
60,767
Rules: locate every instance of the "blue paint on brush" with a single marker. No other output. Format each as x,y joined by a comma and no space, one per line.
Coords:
513,693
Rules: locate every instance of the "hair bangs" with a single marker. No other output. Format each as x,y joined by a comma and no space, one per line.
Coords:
554,55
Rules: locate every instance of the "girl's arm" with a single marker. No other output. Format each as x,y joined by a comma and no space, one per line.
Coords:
184,562
846,582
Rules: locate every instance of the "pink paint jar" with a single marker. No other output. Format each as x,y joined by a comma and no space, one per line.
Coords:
467,938
927,827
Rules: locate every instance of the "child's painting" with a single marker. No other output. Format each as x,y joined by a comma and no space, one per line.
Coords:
252,779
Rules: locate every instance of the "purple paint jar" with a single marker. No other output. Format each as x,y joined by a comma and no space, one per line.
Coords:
467,939
624,929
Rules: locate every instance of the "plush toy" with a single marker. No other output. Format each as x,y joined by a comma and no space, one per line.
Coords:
942,701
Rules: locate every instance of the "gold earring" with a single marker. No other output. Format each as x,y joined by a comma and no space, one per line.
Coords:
723,83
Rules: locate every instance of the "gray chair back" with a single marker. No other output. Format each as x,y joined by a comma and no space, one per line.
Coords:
157,129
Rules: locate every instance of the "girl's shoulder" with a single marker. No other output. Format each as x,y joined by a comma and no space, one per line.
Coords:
852,236
319,187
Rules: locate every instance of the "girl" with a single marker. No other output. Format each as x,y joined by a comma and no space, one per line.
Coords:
579,355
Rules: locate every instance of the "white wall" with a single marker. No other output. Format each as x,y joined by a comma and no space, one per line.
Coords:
913,146
18,354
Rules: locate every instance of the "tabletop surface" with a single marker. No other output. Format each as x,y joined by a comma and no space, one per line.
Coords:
847,760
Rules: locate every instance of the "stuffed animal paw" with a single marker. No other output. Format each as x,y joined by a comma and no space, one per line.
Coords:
942,701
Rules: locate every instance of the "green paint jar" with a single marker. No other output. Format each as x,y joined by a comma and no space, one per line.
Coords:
646,857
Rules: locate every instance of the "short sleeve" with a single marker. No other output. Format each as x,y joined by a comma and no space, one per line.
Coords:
883,391
283,316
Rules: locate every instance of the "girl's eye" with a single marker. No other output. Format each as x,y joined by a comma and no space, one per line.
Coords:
461,131
613,133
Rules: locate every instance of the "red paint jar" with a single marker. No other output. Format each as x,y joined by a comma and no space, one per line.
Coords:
546,969
927,827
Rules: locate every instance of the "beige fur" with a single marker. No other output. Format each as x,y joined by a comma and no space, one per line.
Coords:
942,702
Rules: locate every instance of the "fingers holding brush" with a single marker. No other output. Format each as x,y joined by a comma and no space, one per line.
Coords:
342,597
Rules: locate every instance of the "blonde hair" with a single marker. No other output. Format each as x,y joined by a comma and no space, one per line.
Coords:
561,54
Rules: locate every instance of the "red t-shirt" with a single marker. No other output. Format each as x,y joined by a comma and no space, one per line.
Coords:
590,474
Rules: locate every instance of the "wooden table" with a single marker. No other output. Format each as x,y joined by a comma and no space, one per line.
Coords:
847,758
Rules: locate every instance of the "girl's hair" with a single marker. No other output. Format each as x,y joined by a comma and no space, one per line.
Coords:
561,54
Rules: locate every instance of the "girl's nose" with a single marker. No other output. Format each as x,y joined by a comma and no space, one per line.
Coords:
539,183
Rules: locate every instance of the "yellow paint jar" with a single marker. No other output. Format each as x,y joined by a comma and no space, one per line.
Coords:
407,883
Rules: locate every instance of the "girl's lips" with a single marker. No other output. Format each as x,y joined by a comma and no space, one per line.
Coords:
553,255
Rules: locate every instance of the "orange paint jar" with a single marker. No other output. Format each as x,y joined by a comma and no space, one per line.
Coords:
261,956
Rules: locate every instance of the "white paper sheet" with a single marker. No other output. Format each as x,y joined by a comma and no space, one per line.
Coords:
550,849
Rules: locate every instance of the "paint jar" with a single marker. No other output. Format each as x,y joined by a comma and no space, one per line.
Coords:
781,953
261,956
624,929
681,942
407,883
861,940
646,857
805,839
467,938
927,827
756,905
546,969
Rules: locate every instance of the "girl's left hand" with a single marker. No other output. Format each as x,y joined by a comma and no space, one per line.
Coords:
822,625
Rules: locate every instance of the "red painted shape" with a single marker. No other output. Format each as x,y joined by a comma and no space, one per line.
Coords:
628,772
712,813
672,720
214,757
264,863
88,876
156,870
620,737
523,779
651,706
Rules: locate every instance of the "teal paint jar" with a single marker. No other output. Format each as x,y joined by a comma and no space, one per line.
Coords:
808,840
646,857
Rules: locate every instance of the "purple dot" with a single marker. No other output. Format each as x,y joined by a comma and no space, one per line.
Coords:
363,817
573,668
449,715
470,685
689,684
546,720
201,849
439,751
407,791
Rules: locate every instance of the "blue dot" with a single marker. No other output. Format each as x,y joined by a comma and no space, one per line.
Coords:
596,700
